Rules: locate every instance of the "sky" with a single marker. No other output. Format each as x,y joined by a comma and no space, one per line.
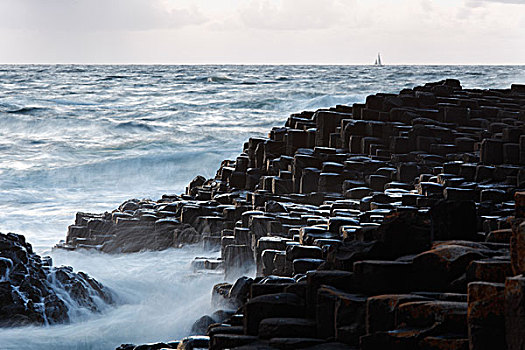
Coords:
263,31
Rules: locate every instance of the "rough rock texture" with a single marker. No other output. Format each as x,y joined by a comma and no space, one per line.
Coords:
413,202
32,291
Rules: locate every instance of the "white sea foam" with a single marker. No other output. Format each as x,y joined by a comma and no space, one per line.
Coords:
158,299
8,264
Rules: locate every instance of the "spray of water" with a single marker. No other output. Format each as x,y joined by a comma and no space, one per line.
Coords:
158,299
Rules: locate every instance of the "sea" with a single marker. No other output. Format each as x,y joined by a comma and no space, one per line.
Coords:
88,137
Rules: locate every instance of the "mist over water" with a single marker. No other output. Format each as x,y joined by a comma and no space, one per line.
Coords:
158,299
86,138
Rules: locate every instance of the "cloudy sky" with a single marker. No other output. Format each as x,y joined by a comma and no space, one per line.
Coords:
263,31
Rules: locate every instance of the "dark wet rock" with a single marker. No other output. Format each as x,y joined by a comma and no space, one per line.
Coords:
454,220
489,270
438,268
228,341
379,214
486,320
153,346
422,314
286,328
499,236
514,312
350,311
377,276
451,342
258,289
194,184
201,325
301,266
276,280
126,347
344,256
270,306
293,343
268,260
238,259
381,310
331,346
517,247
194,342
341,280
299,252
220,316
240,290
219,295
32,291
404,233
324,299
223,328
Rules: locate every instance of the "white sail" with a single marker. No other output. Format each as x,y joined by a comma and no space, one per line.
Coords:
378,60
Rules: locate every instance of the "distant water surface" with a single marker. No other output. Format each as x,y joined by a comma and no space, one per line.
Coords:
83,137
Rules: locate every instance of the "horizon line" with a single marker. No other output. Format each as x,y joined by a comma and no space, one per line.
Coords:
257,64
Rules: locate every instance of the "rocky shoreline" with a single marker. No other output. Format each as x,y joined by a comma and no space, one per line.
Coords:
34,292
394,224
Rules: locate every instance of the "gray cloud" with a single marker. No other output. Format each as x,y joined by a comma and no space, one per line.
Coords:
95,15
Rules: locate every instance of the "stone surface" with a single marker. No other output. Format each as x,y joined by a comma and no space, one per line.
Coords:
33,291
486,320
438,268
515,312
390,208
381,310
228,341
517,247
287,328
270,306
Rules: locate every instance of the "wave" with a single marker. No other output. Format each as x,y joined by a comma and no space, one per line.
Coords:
159,298
325,101
113,77
26,110
213,79
41,202
134,126
60,101
123,173
74,69
255,104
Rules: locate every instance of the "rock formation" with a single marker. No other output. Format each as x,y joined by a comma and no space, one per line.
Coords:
393,224
32,291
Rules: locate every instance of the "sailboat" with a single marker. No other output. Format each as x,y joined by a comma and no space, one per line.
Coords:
378,60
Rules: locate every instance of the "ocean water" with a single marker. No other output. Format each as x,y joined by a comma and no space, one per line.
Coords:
86,138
